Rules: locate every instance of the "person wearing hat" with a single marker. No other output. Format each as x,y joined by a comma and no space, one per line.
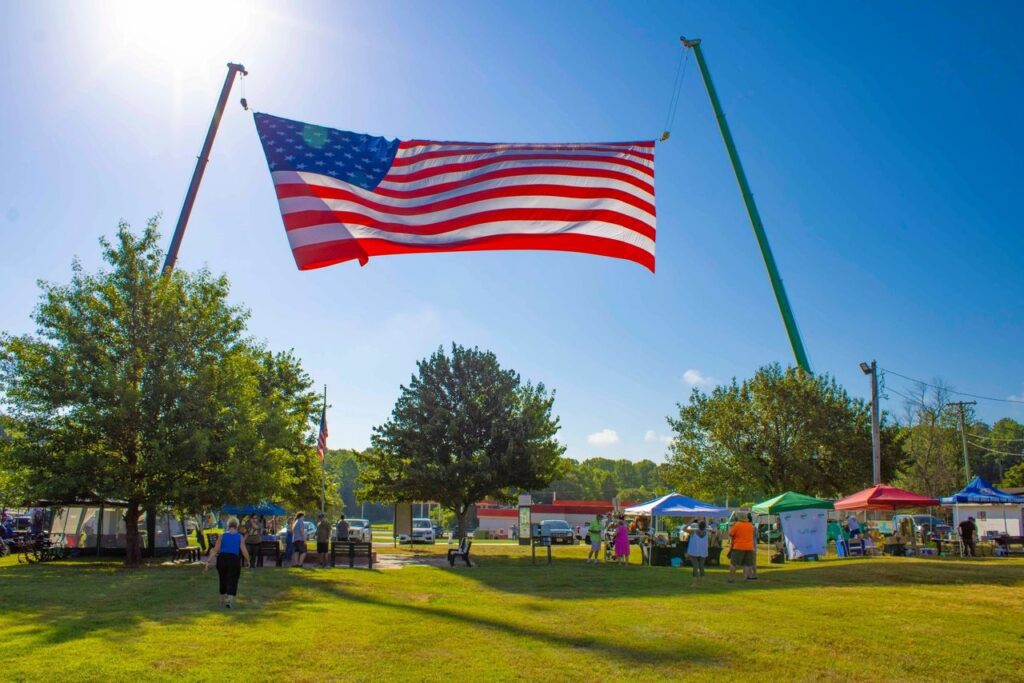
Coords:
323,539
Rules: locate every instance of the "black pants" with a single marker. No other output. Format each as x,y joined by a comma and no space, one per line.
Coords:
255,558
969,548
229,568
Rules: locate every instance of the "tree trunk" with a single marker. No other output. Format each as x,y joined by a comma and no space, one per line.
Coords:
460,520
133,548
150,532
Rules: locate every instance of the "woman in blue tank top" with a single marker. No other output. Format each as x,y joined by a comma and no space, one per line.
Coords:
228,554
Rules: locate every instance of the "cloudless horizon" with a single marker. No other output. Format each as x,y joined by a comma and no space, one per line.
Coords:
882,143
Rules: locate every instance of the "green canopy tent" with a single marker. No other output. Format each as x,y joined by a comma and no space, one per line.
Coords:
789,501
784,505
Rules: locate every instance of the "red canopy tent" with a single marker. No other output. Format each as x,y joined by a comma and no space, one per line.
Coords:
882,497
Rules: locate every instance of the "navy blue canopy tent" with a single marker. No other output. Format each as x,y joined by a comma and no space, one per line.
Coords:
980,491
265,508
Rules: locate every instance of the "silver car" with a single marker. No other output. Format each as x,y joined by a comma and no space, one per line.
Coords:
360,530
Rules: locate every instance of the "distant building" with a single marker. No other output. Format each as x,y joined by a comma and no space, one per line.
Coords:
499,519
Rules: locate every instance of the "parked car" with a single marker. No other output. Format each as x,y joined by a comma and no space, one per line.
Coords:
360,530
423,530
310,532
559,531
924,525
438,531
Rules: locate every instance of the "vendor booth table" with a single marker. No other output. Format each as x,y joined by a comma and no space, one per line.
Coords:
673,505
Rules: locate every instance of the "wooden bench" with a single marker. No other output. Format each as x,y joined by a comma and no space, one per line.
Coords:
352,549
184,551
271,549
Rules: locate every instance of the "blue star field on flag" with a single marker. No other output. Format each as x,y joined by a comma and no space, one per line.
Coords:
362,160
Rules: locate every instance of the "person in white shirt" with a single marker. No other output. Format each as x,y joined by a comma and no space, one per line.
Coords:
697,551
853,525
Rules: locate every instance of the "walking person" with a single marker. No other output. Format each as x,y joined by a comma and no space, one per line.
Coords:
697,551
594,531
967,530
622,543
299,540
741,550
228,555
323,539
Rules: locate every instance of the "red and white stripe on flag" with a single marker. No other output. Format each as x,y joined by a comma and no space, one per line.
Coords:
594,198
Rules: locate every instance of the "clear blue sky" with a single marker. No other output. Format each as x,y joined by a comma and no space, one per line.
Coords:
883,144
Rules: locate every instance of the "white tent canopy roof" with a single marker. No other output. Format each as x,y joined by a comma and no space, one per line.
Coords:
677,505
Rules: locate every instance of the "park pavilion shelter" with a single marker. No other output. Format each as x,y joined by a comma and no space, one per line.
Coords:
995,512
804,522
677,505
264,508
98,527
883,497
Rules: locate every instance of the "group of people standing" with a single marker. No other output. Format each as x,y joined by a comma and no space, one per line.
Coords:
615,533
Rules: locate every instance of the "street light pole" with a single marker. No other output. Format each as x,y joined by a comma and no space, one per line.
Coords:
197,174
876,440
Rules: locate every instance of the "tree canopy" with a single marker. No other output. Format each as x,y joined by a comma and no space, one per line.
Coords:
144,388
464,429
780,430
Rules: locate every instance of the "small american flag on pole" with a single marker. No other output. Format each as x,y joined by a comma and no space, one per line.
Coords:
321,439
348,196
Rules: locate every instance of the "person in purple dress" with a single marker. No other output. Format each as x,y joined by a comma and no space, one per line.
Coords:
622,542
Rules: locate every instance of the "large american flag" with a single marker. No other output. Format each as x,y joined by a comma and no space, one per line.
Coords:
347,196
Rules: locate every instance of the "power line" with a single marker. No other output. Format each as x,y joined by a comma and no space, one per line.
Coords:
997,438
953,391
986,448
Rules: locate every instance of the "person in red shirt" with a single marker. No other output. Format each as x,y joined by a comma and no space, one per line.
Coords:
742,549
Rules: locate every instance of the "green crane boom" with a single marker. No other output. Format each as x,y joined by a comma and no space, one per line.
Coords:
755,217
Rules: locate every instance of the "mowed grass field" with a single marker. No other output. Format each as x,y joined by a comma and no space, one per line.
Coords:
873,619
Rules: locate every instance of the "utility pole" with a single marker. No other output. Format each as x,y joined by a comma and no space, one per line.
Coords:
963,434
197,174
755,216
876,441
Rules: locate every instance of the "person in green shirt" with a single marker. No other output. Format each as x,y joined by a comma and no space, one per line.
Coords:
595,529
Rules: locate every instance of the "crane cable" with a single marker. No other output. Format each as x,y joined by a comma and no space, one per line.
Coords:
673,101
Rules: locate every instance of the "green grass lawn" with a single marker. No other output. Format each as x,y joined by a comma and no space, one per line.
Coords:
507,619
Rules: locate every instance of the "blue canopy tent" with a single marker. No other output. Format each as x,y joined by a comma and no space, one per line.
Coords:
676,505
265,508
980,492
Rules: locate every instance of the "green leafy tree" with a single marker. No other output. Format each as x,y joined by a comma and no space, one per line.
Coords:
143,388
464,429
1014,477
780,430
931,443
994,450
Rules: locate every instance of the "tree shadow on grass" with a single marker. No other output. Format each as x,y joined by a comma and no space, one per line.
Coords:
68,601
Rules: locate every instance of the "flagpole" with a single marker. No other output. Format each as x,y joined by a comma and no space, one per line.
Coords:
197,174
323,474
